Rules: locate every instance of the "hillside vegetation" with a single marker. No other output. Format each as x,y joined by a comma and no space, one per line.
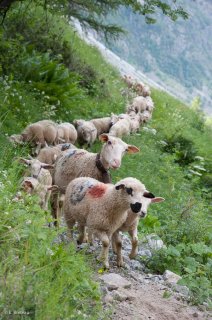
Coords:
46,71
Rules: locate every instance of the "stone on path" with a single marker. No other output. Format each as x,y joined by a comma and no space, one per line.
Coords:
114,281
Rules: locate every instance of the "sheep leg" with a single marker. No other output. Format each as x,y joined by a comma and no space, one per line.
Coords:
114,244
118,244
103,237
90,237
47,197
54,206
134,241
82,234
70,223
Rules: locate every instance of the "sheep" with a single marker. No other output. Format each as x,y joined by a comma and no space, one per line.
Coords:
140,104
121,128
131,225
145,116
78,163
102,208
146,91
39,171
135,121
66,133
87,132
129,81
102,124
40,133
49,154
32,186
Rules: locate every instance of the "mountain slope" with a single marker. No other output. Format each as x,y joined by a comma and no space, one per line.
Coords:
177,54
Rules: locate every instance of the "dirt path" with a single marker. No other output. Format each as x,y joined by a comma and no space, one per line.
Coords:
147,303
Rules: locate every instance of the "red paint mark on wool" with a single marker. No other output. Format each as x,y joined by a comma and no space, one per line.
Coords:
97,191
78,155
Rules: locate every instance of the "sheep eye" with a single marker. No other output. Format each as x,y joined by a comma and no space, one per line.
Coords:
109,142
129,191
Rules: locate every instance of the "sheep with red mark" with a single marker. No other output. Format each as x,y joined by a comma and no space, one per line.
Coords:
79,163
130,225
102,208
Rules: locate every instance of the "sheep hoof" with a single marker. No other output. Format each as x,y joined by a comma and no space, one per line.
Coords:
132,255
106,265
120,263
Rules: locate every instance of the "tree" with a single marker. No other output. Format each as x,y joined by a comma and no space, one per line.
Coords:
92,13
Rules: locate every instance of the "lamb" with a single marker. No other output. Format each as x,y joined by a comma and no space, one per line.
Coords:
102,208
49,154
39,171
121,128
66,133
32,186
87,132
40,133
131,225
79,163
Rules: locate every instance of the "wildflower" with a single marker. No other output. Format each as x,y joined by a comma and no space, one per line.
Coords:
49,252
28,221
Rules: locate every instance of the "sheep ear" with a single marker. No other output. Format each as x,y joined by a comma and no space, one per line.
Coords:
157,199
26,161
47,166
28,184
103,137
132,149
149,195
120,186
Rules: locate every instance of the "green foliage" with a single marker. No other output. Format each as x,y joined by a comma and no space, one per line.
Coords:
40,278
193,262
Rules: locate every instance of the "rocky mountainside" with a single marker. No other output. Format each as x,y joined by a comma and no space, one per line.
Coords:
177,55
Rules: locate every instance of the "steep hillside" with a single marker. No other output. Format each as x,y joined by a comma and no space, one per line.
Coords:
176,54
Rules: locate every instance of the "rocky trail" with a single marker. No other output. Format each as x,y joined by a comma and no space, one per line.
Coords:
132,293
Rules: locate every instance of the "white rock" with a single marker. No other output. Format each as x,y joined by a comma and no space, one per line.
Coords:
114,281
171,277
154,242
123,295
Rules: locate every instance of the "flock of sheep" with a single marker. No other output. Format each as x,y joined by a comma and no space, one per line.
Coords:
78,182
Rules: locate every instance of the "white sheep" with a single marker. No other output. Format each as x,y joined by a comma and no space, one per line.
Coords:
102,124
32,186
129,81
79,163
102,208
38,170
40,133
66,133
122,127
49,154
87,132
145,116
135,121
130,225
140,104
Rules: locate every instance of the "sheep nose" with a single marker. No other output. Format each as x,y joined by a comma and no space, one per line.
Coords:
116,163
142,214
135,207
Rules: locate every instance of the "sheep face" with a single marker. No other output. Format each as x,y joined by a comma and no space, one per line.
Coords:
147,199
113,151
132,190
36,166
